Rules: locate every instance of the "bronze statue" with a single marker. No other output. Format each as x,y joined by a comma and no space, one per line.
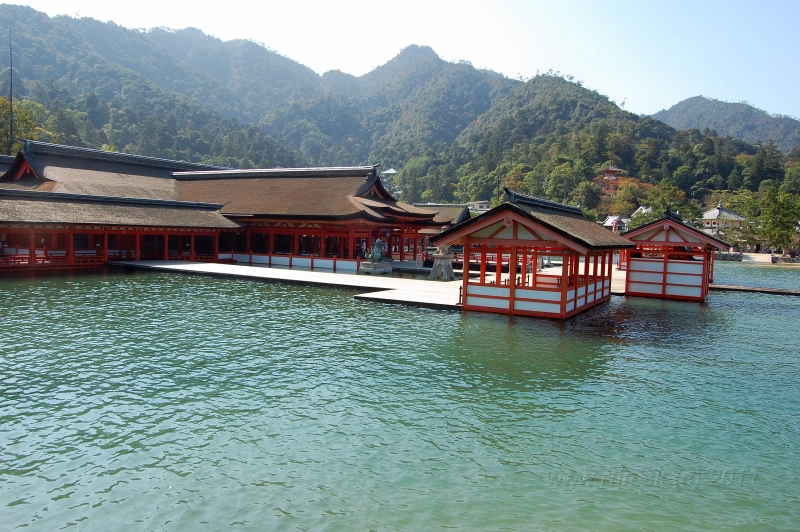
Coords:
376,253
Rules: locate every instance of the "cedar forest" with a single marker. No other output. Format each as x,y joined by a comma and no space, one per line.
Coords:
454,132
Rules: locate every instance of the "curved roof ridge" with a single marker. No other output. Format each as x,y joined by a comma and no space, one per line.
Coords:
31,147
320,171
523,199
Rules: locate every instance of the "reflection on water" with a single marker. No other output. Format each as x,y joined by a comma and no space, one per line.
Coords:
159,401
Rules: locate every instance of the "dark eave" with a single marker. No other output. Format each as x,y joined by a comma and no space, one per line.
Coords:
338,171
322,218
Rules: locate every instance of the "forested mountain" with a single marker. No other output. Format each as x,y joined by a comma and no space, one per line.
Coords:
456,133
397,111
127,98
260,78
738,120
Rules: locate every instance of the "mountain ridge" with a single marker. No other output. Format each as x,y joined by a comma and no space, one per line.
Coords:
456,133
739,120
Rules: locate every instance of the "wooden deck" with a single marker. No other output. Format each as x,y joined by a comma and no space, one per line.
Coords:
419,293
412,292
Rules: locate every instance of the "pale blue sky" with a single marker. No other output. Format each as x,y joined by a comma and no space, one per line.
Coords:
649,54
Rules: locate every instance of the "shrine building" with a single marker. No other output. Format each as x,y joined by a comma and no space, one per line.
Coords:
509,244
671,260
69,207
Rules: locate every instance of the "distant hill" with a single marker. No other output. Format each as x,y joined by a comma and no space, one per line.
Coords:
738,120
454,132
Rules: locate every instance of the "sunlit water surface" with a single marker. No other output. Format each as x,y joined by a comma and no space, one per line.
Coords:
758,274
152,401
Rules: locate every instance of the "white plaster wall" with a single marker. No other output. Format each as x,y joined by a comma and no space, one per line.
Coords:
685,267
531,306
648,265
645,288
675,278
476,290
538,294
486,302
684,291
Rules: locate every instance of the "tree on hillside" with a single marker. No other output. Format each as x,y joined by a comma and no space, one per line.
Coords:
791,179
660,198
587,194
780,212
767,163
25,126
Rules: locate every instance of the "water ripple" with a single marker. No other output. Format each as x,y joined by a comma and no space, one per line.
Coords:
157,401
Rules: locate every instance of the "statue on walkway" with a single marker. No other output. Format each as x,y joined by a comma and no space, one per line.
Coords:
376,253
443,265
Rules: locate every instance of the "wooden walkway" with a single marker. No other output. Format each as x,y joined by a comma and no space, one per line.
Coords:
754,289
618,287
412,292
415,292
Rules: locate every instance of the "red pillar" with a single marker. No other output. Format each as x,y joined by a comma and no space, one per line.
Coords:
70,249
105,246
137,253
512,278
32,248
465,275
191,247
483,263
499,272
351,244
665,251
566,264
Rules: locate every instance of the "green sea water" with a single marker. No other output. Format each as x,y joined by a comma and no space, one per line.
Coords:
155,401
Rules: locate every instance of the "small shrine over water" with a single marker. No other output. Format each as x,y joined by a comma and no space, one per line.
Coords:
507,244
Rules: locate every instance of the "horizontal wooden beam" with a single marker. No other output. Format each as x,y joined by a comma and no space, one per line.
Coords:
515,242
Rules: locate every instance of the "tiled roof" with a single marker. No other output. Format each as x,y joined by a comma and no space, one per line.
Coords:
18,206
720,212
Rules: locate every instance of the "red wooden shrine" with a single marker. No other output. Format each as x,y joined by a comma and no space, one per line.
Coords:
671,260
